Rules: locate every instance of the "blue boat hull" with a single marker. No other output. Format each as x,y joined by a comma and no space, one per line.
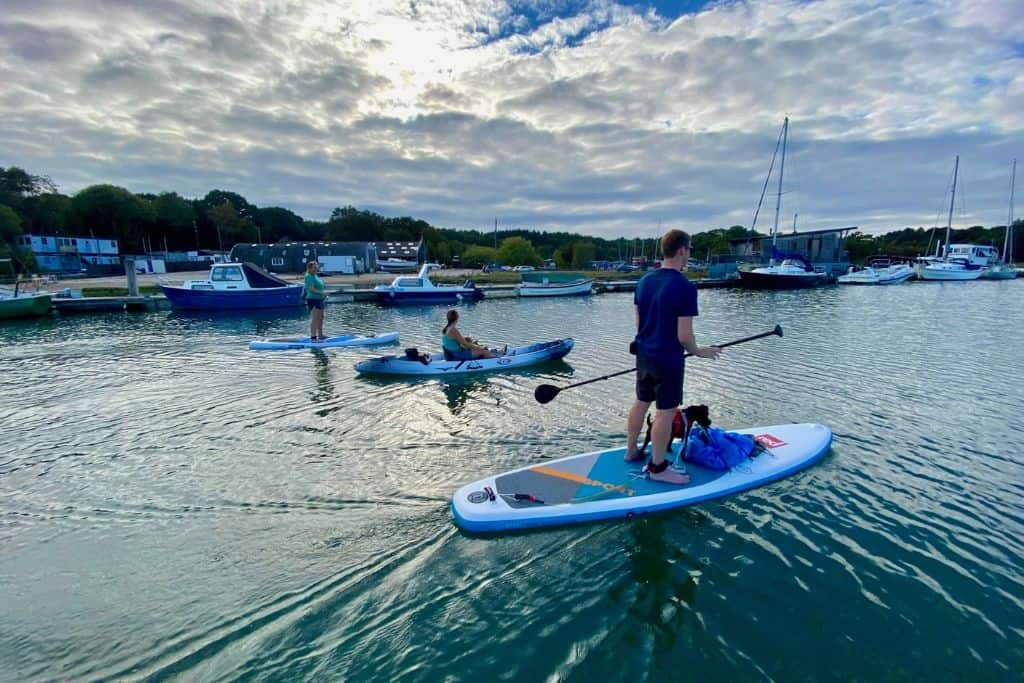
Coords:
207,300
425,298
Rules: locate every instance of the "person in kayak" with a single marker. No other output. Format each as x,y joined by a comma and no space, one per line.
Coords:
315,292
458,347
665,304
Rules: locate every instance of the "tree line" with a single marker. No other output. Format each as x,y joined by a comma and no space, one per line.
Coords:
145,222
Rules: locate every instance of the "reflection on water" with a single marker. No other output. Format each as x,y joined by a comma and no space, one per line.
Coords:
174,505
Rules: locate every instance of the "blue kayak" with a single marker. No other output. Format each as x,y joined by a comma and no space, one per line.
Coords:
437,365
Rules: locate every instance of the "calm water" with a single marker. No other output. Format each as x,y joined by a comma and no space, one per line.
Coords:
174,506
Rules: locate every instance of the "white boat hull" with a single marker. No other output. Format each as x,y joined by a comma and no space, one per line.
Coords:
893,275
556,289
1000,273
948,272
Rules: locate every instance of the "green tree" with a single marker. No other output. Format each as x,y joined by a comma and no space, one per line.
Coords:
582,254
175,220
349,224
231,227
277,223
477,256
45,214
518,251
108,210
10,224
16,184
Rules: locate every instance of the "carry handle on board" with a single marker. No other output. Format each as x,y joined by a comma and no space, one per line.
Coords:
545,393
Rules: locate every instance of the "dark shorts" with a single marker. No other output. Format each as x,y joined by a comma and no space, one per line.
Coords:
315,303
658,384
460,354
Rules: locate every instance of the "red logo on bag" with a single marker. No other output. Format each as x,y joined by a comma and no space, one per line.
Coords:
769,441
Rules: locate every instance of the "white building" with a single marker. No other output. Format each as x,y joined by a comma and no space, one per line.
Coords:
70,254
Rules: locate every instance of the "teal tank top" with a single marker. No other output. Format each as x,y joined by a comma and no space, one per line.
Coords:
449,344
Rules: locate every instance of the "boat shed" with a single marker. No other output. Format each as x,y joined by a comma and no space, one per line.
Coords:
825,249
292,257
405,251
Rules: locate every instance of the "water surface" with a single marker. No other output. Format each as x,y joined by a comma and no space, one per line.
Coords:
175,506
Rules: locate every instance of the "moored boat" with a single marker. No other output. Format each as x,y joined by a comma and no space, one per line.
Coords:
546,288
407,289
1003,269
794,271
397,265
952,268
879,271
436,364
790,274
234,286
15,304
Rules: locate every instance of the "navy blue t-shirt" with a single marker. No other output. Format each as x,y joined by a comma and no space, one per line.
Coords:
662,297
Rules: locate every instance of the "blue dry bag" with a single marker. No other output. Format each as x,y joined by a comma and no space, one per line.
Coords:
717,449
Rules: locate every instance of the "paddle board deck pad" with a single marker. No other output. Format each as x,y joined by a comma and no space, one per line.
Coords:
601,485
512,358
330,342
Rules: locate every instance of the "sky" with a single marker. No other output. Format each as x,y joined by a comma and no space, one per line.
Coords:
591,116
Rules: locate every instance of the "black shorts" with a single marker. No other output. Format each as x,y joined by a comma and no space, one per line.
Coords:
658,384
315,303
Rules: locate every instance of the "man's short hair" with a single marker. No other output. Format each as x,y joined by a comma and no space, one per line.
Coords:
672,241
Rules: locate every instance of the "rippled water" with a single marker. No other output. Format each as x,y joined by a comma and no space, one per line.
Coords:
173,505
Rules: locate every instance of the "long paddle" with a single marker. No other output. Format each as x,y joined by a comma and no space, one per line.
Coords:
545,393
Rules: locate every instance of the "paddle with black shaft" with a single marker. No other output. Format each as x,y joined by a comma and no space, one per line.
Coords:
545,393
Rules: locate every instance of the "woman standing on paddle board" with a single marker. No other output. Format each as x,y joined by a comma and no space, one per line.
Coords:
665,304
315,293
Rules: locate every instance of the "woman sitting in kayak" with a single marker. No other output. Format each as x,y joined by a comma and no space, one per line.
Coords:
457,347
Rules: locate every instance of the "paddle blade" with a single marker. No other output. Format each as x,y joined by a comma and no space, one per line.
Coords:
778,330
545,393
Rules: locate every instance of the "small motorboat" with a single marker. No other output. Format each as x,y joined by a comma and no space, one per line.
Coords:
878,272
407,289
545,288
234,286
17,304
436,364
345,340
397,265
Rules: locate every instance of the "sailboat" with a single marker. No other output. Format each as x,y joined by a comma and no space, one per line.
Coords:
950,268
794,271
1005,270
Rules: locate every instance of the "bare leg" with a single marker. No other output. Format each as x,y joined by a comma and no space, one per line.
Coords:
320,323
312,323
661,433
634,424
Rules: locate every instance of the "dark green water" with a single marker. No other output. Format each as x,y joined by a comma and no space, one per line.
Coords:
174,506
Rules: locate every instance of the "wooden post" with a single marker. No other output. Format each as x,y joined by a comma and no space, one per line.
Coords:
133,282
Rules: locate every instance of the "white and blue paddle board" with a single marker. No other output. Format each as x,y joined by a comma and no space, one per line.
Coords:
328,343
601,485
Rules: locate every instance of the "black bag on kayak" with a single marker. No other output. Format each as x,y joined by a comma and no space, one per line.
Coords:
413,353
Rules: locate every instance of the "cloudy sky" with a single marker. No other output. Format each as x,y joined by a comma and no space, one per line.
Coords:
602,117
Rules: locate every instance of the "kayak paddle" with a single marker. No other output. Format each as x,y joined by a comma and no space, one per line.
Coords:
545,393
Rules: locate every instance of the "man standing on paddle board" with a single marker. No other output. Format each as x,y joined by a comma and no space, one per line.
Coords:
666,304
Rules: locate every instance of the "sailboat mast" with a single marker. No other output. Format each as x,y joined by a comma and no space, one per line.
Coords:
952,198
1008,241
778,196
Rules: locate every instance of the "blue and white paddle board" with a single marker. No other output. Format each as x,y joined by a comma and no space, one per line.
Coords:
330,342
601,485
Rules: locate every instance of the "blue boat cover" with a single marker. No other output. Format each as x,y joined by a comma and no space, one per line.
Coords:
779,254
